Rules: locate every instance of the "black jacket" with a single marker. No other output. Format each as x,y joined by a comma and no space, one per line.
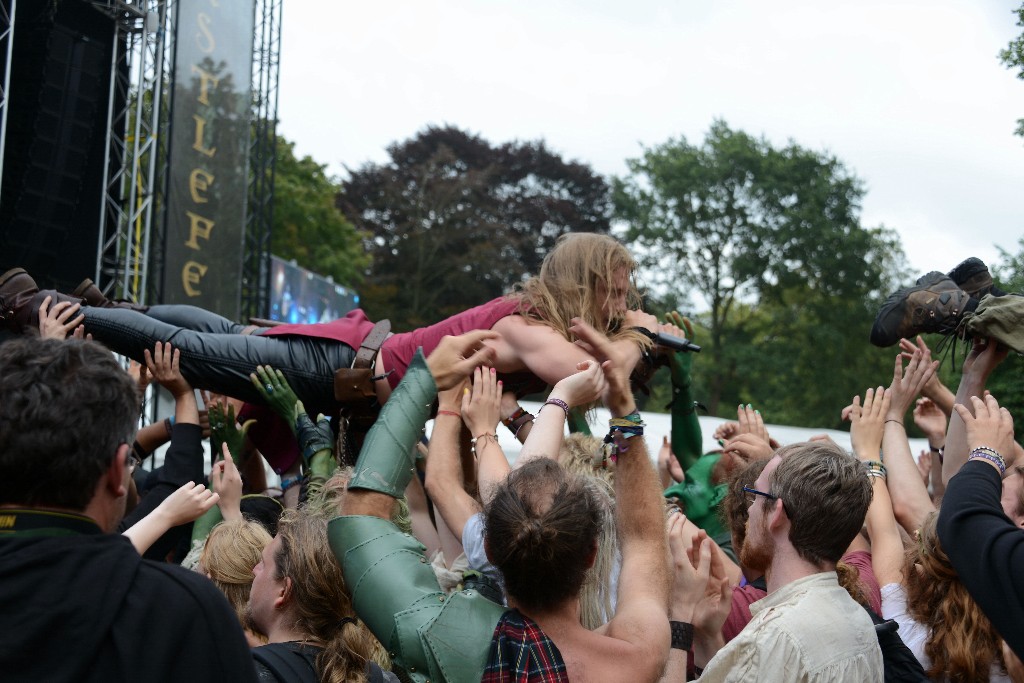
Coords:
986,549
80,605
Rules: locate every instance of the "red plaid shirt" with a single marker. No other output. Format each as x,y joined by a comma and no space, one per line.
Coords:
521,653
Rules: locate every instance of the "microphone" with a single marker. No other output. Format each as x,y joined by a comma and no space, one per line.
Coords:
669,341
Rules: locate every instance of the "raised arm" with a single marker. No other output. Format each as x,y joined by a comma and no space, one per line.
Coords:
985,356
867,423
445,481
933,389
985,547
687,441
185,505
911,502
582,387
641,615
385,461
183,461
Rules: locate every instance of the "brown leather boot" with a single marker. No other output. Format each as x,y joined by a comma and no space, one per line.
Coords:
16,290
935,304
94,297
91,293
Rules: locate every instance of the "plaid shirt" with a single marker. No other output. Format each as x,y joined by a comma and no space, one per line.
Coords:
521,653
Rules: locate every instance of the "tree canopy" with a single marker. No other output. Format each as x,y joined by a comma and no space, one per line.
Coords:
307,226
1013,57
771,239
452,221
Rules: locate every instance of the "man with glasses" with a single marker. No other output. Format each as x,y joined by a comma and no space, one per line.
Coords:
79,602
806,507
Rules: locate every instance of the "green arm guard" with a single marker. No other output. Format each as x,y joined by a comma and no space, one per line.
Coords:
386,462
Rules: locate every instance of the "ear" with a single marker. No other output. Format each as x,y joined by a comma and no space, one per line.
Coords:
284,595
114,477
778,519
592,556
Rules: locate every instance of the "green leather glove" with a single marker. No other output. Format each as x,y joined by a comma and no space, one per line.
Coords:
278,394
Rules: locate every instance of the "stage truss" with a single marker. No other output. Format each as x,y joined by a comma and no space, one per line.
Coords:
129,261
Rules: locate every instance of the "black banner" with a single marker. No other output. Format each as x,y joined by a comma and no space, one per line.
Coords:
209,154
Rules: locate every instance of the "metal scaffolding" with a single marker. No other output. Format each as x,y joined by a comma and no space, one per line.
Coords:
6,46
136,144
263,142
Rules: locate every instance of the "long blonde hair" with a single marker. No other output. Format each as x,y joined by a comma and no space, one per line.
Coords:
962,643
568,283
578,457
232,550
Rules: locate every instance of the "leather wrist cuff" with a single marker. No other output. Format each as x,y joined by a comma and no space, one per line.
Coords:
682,635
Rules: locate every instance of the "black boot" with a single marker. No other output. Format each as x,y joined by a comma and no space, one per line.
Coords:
973,277
935,304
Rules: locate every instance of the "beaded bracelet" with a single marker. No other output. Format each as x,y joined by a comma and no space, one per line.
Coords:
990,454
483,437
508,421
557,402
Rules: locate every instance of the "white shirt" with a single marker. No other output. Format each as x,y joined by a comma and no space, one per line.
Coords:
808,631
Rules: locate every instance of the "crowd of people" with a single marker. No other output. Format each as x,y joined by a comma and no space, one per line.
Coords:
586,559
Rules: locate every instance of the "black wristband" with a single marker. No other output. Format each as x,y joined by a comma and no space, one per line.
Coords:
682,635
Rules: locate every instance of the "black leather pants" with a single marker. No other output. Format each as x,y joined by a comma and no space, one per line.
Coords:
215,356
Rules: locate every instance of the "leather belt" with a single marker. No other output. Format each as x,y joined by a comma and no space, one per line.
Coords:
367,353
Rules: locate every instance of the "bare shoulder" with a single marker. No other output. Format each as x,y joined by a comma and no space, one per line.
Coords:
609,658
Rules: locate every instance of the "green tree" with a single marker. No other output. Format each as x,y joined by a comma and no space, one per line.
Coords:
1013,58
452,221
308,227
771,239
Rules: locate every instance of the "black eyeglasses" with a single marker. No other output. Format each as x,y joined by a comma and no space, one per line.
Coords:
752,494
132,462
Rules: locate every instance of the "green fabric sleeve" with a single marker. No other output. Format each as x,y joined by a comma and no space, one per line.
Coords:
687,440
386,462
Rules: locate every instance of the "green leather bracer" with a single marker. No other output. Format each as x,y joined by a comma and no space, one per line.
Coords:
386,462
429,636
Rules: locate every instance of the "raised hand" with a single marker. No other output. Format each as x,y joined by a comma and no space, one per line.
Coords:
57,322
924,466
726,431
907,382
455,357
750,422
187,504
227,483
680,362
224,432
481,404
584,386
930,419
668,463
990,426
278,394
749,447
164,365
867,422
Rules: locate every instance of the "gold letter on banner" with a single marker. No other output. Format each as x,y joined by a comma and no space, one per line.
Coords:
190,276
199,227
204,39
206,79
199,181
197,145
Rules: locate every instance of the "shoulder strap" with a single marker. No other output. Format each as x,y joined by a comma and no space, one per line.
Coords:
287,664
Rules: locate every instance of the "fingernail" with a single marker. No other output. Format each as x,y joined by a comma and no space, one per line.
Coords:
757,412
749,406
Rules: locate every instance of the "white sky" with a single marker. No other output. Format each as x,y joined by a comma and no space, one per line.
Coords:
909,95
